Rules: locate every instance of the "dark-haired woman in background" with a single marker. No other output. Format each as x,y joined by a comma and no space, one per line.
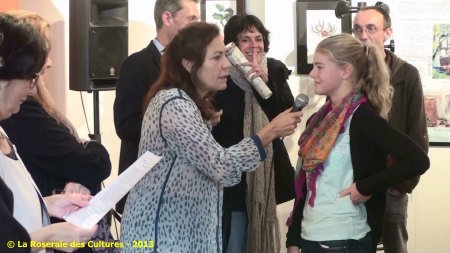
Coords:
250,206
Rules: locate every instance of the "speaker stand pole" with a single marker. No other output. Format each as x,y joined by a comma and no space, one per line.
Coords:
96,135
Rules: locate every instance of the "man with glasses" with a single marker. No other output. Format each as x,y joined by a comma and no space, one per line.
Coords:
372,25
140,70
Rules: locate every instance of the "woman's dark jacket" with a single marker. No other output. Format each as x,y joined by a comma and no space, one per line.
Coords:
52,154
11,230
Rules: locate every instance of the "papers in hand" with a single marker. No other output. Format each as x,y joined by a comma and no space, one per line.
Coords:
101,203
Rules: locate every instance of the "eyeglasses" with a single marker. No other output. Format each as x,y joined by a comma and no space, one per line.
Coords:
370,29
33,81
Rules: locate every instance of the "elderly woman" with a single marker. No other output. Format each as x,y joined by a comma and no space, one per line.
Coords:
53,153
244,113
25,214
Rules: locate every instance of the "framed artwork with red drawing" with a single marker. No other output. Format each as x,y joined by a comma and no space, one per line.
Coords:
316,20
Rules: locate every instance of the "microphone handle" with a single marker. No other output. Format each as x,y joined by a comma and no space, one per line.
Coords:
294,109
297,108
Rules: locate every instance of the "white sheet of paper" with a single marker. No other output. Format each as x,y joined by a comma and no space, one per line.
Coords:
105,200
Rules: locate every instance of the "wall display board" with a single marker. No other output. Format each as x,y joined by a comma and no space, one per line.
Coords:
421,33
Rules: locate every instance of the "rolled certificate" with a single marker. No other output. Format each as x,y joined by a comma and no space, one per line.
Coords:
236,58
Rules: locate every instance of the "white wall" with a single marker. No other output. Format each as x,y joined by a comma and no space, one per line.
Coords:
430,203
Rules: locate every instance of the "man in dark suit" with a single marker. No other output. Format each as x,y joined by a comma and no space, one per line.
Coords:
139,71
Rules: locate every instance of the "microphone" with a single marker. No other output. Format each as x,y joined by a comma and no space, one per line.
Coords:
301,101
236,57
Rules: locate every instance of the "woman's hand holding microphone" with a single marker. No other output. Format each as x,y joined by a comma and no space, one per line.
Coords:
282,125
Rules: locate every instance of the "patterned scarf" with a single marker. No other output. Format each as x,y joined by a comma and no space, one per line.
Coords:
318,139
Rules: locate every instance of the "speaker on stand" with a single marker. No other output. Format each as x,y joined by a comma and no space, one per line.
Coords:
98,45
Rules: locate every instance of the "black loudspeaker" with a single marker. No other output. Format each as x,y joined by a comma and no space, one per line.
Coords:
98,43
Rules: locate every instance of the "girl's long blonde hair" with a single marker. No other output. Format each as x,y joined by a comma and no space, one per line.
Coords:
371,72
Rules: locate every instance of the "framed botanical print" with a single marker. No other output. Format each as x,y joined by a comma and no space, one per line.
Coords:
316,20
219,11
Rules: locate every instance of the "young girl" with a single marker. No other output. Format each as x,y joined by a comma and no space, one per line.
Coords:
341,188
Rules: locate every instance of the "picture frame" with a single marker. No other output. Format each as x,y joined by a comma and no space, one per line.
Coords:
316,20
437,116
437,95
219,11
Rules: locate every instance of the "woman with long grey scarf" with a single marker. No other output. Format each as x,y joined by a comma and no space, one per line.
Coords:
249,209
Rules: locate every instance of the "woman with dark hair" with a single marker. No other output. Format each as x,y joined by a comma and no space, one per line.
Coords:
245,228
25,214
178,204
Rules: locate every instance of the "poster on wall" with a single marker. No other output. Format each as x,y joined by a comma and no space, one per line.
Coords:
437,95
427,50
438,117
441,51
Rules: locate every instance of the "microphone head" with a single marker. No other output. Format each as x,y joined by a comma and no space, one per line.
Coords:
300,101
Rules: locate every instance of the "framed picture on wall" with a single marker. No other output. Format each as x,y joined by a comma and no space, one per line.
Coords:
219,11
437,112
316,20
437,91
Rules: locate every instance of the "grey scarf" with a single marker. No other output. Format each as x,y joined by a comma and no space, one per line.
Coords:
263,228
